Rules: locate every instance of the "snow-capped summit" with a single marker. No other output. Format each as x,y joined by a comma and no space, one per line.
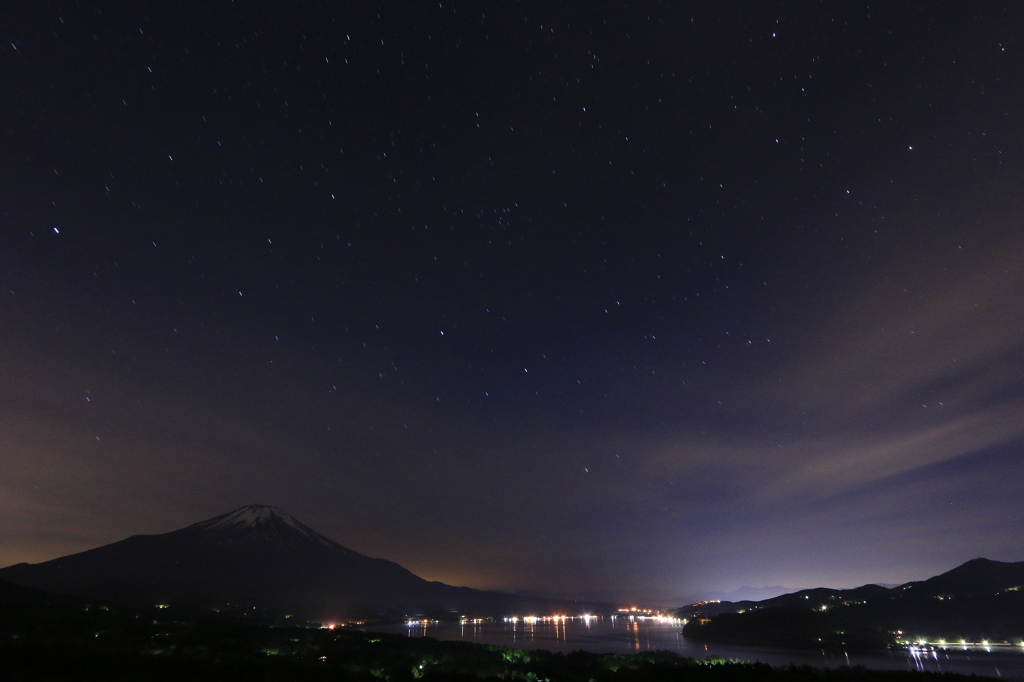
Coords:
251,515
261,523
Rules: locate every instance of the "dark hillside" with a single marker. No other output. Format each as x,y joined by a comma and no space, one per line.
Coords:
48,638
977,601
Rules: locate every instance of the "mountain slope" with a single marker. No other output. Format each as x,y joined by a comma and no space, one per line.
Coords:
260,556
977,576
979,600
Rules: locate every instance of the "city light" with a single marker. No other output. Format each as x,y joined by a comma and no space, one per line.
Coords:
586,618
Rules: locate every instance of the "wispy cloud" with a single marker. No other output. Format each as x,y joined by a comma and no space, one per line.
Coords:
919,369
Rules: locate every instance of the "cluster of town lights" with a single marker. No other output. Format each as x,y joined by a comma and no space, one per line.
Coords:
546,619
922,644
587,618
634,614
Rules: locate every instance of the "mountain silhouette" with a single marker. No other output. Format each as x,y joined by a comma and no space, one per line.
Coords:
979,600
262,557
977,576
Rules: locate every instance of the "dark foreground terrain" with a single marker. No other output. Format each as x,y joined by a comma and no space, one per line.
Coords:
46,637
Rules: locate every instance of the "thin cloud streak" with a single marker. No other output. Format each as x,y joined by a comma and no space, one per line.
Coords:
956,333
888,387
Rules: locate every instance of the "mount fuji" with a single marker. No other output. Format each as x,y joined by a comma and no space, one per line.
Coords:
260,556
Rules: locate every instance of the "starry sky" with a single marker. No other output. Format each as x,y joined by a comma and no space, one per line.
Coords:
624,300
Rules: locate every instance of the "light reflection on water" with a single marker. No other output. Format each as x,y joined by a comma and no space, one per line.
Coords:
564,633
623,635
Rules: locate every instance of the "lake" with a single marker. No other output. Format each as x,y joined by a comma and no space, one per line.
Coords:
624,635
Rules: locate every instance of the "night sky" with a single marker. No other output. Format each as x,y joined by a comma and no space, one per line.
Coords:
620,300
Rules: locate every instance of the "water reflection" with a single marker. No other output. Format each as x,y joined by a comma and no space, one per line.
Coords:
631,634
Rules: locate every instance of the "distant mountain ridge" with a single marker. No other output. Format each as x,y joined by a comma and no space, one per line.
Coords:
744,593
259,555
979,600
